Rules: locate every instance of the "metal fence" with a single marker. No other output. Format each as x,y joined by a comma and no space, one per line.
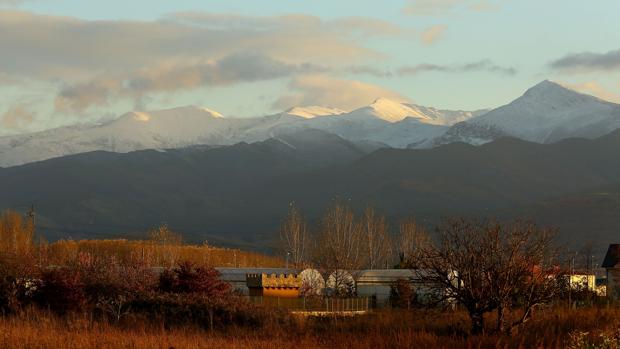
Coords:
316,304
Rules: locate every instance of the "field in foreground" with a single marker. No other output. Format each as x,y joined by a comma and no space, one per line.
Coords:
552,328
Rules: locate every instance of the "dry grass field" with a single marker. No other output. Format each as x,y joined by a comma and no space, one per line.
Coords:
551,328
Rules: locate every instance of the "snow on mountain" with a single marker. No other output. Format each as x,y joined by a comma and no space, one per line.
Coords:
445,117
546,113
313,111
384,122
387,110
171,128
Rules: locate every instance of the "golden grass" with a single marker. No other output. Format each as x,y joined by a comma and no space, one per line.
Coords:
131,251
387,329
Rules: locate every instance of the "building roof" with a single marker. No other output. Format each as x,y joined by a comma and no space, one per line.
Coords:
383,276
612,258
239,274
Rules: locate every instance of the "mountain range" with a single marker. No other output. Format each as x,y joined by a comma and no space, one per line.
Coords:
548,112
550,155
237,195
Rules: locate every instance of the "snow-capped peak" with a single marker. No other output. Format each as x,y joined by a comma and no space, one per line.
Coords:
141,116
389,110
549,90
213,113
310,112
546,113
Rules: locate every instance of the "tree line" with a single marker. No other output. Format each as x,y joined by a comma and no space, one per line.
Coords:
484,266
344,240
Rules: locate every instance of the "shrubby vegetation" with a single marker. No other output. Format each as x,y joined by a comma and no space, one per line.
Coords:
158,281
161,293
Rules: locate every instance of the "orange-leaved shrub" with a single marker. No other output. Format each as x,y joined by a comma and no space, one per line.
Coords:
190,278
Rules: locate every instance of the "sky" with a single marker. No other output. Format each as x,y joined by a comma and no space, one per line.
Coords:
65,62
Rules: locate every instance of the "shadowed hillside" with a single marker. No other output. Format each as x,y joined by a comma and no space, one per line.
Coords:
237,195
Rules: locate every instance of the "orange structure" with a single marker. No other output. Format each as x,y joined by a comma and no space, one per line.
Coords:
274,285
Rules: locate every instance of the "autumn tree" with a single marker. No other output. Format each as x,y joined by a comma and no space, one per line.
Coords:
375,239
487,266
294,237
16,234
167,242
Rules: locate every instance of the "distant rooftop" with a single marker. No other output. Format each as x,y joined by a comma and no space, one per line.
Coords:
612,258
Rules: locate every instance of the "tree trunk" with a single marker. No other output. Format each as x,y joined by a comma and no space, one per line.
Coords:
477,322
501,319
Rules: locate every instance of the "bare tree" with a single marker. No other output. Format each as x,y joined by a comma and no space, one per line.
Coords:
294,237
375,239
338,245
489,267
411,241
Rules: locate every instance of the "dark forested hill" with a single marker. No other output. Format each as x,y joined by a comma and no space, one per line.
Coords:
238,194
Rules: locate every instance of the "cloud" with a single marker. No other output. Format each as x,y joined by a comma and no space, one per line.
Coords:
588,62
479,66
326,91
433,33
596,89
484,6
440,7
430,7
94,61
368,70
69,48
229,70
347,25
17,116
11,2
75,98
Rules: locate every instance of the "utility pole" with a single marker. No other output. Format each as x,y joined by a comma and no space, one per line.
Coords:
31,215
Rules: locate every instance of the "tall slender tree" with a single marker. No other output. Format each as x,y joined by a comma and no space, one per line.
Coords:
412,239
294,237
375,239
338,246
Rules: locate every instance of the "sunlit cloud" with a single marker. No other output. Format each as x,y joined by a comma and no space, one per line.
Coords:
441,7
95,62
63,47
596,89
430,7
17,116
327,91
433,33
484,6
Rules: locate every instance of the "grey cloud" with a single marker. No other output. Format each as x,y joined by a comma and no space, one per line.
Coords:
72,49
368,70
228,70
588,61
79,97
480,66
